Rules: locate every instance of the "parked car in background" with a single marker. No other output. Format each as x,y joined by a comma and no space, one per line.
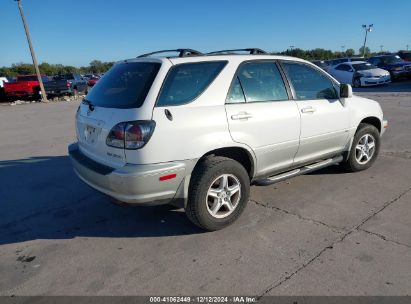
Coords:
196,131
3,80
88,76
71,83
92,81
392,63
321,63
25,86
405,55
334,62
360,73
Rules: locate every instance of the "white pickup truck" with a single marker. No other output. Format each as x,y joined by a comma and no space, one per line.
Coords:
199,129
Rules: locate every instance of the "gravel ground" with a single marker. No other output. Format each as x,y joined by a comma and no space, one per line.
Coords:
327,233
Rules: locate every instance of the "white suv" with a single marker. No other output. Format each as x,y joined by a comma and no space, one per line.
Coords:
196,130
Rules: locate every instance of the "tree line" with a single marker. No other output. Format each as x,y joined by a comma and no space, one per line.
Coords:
95,67
98,67
323,54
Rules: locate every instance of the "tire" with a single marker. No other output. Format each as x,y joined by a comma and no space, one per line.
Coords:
356,83
357,161
37,94
209,176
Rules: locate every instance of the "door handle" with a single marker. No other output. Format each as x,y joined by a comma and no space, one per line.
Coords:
242,115
308,110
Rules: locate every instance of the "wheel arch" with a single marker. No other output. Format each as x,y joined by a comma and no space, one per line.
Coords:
372,120
240,154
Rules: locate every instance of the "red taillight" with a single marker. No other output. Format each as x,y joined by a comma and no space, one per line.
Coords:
130,135
116,136
68,84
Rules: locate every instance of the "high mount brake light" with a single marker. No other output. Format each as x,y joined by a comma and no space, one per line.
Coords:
130,135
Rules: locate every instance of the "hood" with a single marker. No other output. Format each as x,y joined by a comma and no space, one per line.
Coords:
396,65
373,73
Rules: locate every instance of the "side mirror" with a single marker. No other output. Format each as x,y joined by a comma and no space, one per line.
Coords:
345,91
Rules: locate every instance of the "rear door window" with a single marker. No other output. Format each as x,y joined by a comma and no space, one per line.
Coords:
124,86
185,82
236,94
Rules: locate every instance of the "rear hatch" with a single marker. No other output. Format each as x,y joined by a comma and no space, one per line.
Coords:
120,96
56,85
22,86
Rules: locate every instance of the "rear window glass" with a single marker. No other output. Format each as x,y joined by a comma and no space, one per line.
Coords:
32,78
124,86
187,81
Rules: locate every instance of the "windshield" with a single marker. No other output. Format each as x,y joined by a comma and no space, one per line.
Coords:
363,66
391,59
124,86
64,77
357,59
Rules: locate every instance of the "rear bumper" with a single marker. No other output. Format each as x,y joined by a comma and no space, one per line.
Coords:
133,184
19,94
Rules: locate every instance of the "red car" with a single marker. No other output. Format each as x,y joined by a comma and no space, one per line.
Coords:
92,81
25,86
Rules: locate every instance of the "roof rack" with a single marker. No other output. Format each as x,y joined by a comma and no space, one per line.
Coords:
181,53
251,51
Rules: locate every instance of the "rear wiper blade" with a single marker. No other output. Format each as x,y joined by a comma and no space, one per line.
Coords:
88,102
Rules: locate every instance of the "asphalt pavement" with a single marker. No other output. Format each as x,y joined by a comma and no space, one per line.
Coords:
326,233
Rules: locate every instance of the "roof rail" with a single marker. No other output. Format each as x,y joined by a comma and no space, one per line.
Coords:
181,53
251,51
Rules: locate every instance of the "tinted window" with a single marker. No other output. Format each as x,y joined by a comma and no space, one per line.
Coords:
261,81
405,56
236,94
343,67
309,83
391,59
32,78
125,85
363,66
356,59
185,82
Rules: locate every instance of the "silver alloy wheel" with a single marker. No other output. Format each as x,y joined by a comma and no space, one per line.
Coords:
223,195
365,149
357,83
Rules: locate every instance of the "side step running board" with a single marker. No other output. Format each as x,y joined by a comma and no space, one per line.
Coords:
303,170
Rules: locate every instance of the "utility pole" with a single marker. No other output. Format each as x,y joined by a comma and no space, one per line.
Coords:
33,55
367,29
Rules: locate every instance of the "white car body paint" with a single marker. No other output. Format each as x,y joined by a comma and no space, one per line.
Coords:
277,135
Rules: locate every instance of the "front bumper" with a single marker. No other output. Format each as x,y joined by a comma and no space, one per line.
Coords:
401,73
133,184
369,81
58,91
